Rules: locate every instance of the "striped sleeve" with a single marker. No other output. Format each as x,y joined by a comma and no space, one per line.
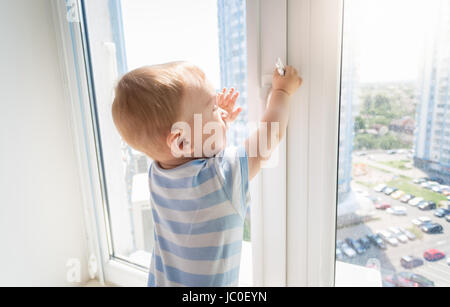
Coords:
232,170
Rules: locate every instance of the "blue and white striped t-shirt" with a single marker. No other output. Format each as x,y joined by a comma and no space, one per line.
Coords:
199,210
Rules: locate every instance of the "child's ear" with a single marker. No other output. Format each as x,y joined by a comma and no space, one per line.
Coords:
178,143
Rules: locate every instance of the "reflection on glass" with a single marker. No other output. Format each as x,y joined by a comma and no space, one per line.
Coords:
394,149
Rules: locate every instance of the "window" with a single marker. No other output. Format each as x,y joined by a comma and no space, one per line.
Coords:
393,187
124,35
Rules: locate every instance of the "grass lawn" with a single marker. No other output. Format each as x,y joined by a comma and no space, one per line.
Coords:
366,184
404,184
399,164
416,231
379,168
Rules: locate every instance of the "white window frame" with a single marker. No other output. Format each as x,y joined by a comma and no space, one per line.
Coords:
269,201
267,33
314,47
294,210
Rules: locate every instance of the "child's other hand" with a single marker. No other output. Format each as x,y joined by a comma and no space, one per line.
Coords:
289,83
226,103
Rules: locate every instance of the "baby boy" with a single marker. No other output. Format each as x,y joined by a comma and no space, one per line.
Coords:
198,186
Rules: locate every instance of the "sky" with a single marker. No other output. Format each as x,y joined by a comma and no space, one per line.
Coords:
390,35
161,31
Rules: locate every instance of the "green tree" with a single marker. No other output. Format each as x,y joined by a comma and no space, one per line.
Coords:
365,142
359,123
382,105
367,105
389,142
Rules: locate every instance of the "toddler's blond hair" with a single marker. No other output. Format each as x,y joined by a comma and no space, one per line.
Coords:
148,101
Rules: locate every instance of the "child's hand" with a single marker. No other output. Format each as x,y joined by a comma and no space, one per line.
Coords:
289,83
226,103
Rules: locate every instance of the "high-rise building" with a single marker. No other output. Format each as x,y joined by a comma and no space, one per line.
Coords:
432,136
233,59
349,100
232,24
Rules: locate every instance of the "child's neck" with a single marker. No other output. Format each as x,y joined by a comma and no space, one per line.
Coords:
174,163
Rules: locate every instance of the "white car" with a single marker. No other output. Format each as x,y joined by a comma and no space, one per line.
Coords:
379,188
437,189
415,201
429,185
398,210
408,233
448,260
348,251
388,237
398,234
421,220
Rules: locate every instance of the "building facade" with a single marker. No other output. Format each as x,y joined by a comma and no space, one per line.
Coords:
349,102
432,136
232,29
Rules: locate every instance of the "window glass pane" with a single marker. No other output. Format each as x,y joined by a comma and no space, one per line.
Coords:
124,35
394,149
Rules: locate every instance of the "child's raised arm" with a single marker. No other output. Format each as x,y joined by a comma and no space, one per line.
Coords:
261,144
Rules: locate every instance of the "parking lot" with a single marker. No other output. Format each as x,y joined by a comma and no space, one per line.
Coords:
389,259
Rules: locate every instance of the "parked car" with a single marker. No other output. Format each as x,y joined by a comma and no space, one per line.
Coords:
437,179
406,198
382,206
365,243
429,185
398,234
388,237
432,228
433,255
389,190
448,261
348,251
419,180
397,194
398,210
427,205
421,221
441,212
408,279
415,201
377,241
355,245
379,188
408,233
447,218
410,262
436,189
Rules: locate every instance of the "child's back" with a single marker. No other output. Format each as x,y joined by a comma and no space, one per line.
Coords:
199,211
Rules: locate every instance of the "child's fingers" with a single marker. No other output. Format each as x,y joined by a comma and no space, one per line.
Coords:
226,100
235,114
232,101
230,94
221,101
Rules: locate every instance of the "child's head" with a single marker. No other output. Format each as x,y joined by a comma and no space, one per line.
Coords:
149,101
